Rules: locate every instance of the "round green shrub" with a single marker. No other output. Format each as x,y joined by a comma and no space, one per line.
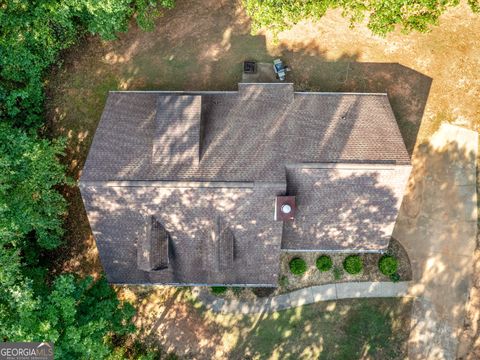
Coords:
298,266
217,290
388,265
353,264
395,277
324,263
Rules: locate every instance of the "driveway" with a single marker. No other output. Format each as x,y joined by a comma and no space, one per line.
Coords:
437,225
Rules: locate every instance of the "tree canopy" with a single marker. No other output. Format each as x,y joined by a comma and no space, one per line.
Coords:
383,15
33,32
76,314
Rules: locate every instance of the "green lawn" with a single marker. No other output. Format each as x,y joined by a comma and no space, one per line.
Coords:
346,329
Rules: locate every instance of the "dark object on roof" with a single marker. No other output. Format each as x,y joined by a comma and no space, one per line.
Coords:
249,67
285,208
208,167
152,251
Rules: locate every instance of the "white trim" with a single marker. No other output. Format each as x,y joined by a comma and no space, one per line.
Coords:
338,93
207,92
354,166
267,83
212,92
330,251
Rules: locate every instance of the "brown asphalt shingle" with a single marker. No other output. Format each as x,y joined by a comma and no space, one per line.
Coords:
244,140
208,166
117,215
344,207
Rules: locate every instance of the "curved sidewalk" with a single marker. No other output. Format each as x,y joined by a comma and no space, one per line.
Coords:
310,295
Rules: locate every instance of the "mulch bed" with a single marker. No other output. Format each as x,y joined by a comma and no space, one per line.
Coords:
289,282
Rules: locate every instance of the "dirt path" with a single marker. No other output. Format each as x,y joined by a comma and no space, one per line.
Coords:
437,226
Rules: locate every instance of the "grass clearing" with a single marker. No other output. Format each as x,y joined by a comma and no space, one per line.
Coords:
344,329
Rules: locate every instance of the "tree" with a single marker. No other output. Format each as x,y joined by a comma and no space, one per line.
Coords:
30,207
78,315
383,15
33,32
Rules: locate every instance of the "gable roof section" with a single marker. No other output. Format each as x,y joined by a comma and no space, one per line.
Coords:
122,145
221,233
242,140
344,207
176,138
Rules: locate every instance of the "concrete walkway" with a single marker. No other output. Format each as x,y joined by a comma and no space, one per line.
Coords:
437,226
301,297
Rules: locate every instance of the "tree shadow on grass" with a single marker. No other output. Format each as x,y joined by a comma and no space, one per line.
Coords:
347,329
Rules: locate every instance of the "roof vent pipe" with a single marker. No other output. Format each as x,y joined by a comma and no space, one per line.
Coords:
285,208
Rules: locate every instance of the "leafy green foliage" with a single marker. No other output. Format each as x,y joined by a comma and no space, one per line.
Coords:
388,265
298,266
353,264
337,273
140,351
148,10
383,15
29,204
474,5
217,290
77,315
395,277
324,263
33,32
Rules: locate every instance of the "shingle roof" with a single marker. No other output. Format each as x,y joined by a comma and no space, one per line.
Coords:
176,138
244,140
344,207
191,214
208,166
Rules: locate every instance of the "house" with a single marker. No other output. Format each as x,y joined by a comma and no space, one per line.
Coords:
208,188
